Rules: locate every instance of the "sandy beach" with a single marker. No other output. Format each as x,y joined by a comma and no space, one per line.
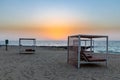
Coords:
51,64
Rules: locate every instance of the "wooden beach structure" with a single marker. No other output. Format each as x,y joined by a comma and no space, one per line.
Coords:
81,49
27,48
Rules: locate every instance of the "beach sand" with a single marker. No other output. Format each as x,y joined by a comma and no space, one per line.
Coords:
51,64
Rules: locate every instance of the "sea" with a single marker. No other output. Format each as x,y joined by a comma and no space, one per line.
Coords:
99,46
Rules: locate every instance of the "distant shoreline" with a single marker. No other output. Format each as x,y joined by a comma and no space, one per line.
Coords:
64,47
60,47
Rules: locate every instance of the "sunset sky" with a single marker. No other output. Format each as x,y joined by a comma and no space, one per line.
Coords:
56,19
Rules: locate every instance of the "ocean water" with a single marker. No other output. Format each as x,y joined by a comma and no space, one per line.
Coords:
99,46
113,46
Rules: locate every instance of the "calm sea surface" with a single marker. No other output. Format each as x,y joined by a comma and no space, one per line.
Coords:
114,46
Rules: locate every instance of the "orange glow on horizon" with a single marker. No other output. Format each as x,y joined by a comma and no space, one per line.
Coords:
50,31
56,33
